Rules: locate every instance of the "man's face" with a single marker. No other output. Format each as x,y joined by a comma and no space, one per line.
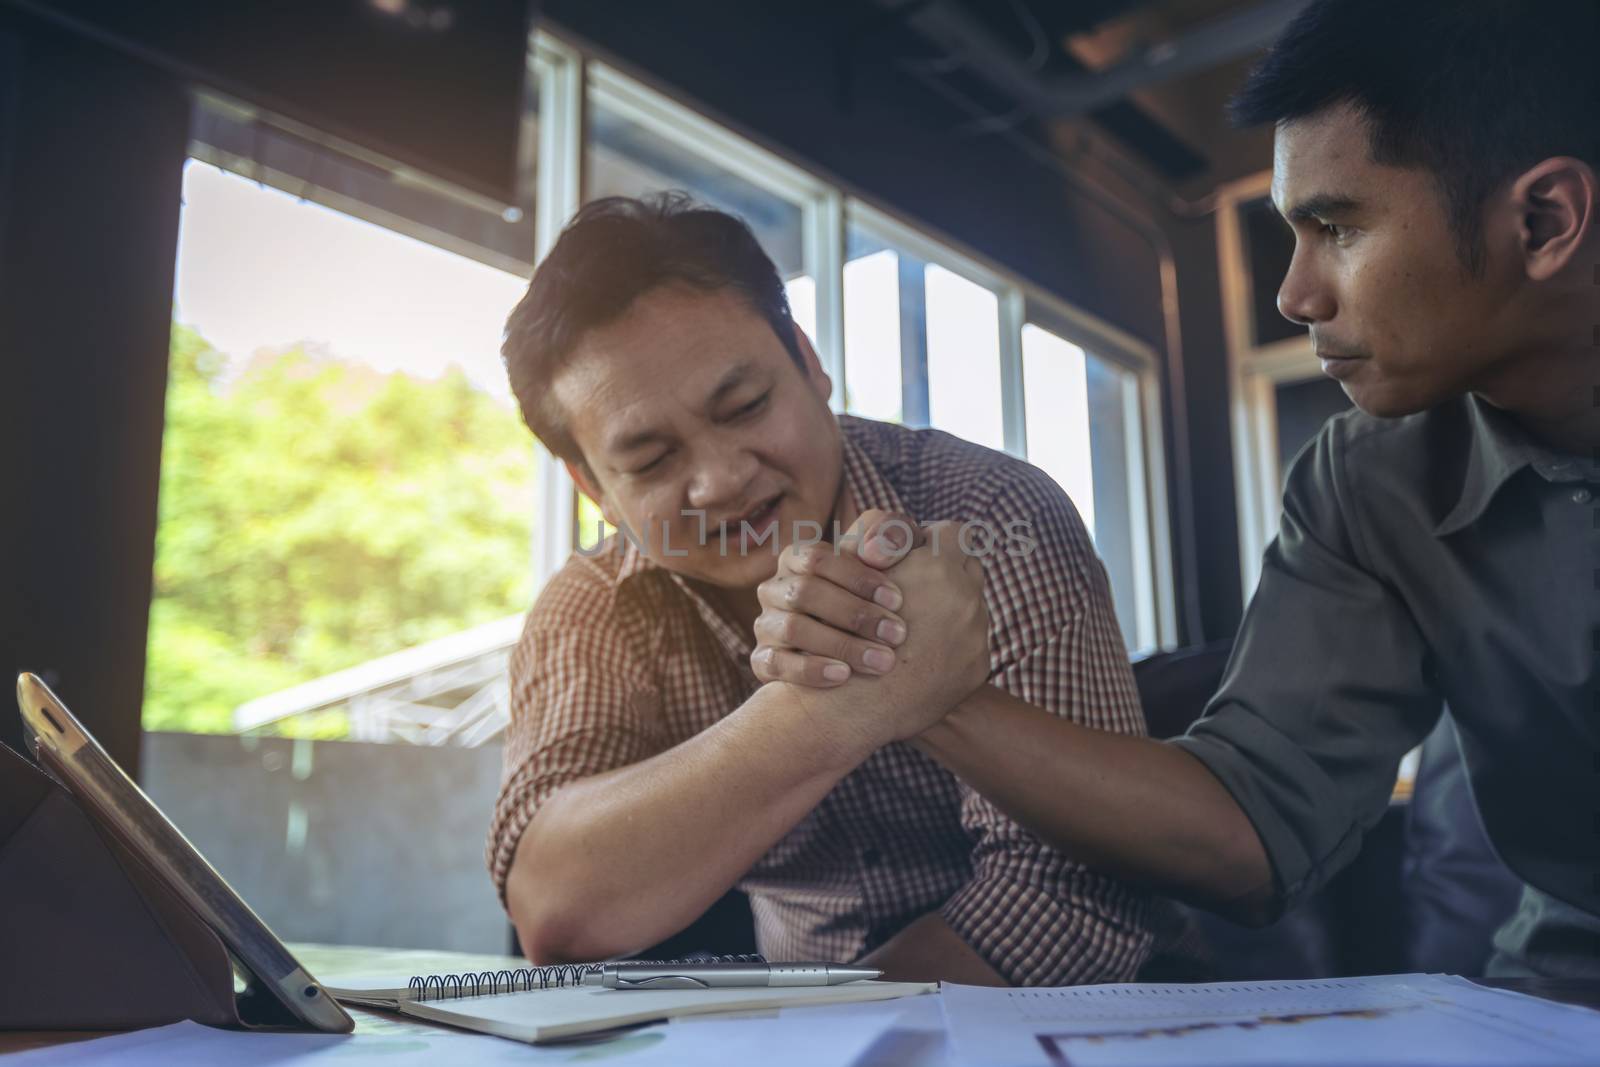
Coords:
1393,312
690,403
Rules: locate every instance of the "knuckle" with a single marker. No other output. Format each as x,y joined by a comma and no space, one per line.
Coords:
863,623
777,666
788,627
862,582
767,625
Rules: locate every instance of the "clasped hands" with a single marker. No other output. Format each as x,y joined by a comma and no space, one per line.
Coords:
887,628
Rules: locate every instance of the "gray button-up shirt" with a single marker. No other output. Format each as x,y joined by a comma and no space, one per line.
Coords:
1441,558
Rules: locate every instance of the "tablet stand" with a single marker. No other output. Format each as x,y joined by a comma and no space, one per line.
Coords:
90,939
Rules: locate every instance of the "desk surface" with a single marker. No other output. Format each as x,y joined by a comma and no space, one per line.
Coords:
324,961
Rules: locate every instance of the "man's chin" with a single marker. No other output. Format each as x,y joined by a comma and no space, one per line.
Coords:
1384,400
733,571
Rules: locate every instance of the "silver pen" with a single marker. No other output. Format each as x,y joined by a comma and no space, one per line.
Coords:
726,975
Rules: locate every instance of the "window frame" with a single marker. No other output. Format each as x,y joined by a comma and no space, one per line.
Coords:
822,231
828,208
1156,623
1255,371
1020,303
570,80
561,76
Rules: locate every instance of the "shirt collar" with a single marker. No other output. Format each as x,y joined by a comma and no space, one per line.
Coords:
1499,449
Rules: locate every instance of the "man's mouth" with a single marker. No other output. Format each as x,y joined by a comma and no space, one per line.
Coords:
1340,366
756,517
1323,348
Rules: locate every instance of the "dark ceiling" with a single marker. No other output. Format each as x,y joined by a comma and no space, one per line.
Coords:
1143,83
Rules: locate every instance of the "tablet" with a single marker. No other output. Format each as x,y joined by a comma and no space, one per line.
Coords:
122,807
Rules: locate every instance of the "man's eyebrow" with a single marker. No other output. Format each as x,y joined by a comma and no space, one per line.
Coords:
1321,206
731,380
627,442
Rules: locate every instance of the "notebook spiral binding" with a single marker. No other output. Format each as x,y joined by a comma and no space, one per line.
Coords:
482,983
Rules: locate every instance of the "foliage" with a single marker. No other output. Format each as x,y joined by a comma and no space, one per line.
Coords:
315,514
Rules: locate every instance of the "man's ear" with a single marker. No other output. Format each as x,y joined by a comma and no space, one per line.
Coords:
1556,201
584,478
821,384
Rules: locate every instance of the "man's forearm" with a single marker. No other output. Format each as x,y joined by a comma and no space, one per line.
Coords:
1131,807
615,862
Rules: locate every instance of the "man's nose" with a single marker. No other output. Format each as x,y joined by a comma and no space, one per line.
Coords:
1304,297
721,476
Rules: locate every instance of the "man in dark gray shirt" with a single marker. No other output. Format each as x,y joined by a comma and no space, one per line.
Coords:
1446,557
1437,161
1440,545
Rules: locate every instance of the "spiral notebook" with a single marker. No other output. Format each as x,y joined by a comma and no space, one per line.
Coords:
538,1004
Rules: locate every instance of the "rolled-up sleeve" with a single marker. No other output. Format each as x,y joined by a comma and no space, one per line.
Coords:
580,705
1036,916
1328,687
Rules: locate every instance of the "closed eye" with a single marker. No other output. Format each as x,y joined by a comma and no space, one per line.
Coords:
652,465
751,408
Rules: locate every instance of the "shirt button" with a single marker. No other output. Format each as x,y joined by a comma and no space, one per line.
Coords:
1581,496
871,857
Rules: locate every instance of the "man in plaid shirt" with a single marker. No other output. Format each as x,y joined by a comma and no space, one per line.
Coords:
670,739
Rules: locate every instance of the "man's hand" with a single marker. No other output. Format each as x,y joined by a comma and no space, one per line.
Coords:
830,611
944,656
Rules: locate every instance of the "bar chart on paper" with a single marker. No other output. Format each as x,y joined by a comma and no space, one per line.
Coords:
1396,1020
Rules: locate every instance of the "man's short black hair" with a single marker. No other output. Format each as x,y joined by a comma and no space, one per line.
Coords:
612,252
1475,91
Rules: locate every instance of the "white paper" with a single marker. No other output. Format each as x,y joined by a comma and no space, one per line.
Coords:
774,1042
915,1038
1396,1020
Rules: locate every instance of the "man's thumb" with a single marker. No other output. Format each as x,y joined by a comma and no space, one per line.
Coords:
882,538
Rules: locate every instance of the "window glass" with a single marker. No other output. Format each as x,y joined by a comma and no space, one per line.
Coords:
802,293
964,358
922,343
346,485
1082,416
1056,402
872,336
1269,248
1120,533
626,158
592,526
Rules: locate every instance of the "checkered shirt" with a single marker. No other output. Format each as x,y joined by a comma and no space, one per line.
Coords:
620,660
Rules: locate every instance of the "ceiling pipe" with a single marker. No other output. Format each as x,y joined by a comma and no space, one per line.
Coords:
956,30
